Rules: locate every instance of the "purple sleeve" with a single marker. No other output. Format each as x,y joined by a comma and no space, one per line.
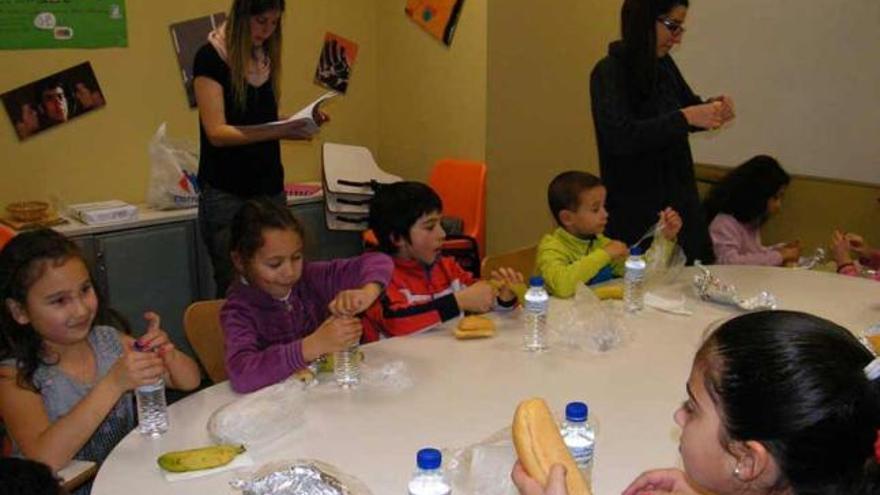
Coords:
330,277
731,245
248,365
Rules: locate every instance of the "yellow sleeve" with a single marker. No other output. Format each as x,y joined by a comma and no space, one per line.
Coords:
562,276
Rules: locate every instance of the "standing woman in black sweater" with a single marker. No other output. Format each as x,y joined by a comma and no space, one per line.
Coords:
236,80
643,111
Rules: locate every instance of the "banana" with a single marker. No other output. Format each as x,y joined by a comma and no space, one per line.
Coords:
197,459
609,292
519,289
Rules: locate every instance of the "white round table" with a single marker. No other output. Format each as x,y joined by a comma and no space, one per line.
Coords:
467,390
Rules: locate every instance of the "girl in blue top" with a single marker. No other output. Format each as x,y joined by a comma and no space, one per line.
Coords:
65,382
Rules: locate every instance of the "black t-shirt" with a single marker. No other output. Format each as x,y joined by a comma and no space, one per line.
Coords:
247,170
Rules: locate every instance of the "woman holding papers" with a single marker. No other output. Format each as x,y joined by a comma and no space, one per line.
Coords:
236,81
643,111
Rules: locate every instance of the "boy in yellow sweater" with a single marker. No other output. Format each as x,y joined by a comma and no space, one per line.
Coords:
577,252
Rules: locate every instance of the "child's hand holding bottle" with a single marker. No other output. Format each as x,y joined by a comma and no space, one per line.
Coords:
135,368
337,333
617,250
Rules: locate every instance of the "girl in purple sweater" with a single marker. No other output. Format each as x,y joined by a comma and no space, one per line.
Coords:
284,313
739,205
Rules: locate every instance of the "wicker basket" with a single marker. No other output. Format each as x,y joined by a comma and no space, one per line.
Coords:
28,211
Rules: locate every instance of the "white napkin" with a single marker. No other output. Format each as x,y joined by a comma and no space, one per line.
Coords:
674,306
240,461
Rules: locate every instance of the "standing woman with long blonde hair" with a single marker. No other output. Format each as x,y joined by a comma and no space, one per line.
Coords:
237,86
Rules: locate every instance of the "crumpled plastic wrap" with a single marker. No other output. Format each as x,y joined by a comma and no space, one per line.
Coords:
299,477
664,262
810,262
484,467
258,417
708,287
586,323
393,376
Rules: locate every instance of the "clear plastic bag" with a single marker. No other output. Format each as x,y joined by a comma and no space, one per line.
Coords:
299,477
174,165
260,416
484,467
586,323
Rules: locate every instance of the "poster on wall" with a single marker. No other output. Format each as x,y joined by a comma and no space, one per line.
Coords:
62,24
188,37
53,100
337,58
437,17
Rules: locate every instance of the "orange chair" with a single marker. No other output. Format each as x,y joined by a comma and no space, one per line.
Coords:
5,235
461,184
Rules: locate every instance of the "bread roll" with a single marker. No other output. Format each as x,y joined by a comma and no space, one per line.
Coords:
539,446
474,327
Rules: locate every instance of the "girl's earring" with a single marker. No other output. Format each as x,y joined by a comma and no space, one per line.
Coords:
736,473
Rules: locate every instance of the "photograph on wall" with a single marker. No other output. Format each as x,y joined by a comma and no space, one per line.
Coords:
62,24
337,58
53,100
188,37
437,17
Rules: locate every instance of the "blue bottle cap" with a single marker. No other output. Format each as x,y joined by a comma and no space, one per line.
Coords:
576,411
429,459
635,251
536,281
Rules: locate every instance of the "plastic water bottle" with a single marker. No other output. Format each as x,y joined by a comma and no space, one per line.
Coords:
152,410
578,435
428,478
346,368
537,300
634,281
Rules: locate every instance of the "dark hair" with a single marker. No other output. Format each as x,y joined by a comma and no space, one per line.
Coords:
27,477
397,207
51,83
638,30
246,231
744,191
796,383
565,189
22,262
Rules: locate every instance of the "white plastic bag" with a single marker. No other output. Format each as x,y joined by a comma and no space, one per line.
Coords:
260,416
173,168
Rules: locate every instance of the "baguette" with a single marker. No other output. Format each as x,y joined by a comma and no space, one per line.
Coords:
539,446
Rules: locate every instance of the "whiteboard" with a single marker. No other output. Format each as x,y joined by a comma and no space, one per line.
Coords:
805,78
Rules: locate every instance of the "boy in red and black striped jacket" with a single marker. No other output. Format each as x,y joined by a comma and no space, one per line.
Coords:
426,288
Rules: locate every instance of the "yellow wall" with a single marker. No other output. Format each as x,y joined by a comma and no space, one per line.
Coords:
432,98
103,155
539,121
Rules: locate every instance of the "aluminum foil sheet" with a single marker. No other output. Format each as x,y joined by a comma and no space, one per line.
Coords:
295,479
710,288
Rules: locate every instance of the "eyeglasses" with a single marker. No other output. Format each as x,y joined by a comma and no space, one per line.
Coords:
675,28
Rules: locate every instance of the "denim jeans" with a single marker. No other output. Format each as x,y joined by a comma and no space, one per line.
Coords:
216,211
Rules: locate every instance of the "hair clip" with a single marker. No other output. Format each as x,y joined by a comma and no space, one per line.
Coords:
872,370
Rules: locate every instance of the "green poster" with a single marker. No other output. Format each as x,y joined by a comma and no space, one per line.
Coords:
62,24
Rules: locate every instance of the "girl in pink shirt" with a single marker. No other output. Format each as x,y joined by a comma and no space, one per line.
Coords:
739,205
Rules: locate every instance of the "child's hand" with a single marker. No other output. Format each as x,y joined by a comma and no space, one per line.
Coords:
353,301
671,223
791,252
134,369
840,248
478,298
661,481
506,278
857,244
526,485
337,334
617,250
155,339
